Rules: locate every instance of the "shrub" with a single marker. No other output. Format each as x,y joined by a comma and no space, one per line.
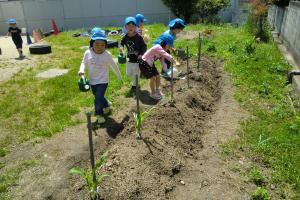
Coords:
207,9
257,22
182,8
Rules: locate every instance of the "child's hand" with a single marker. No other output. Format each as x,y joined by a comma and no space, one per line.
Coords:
177,63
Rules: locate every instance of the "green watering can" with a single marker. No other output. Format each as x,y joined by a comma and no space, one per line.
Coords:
121,58
83,84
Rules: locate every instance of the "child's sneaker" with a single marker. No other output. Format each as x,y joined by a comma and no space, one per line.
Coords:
159,93
155,96
107,110
109,103
100,119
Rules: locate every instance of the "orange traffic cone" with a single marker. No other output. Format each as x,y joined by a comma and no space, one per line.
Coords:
35,40
54,27
36,36
41,33
39,37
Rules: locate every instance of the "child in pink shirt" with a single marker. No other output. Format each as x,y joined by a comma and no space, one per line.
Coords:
147,67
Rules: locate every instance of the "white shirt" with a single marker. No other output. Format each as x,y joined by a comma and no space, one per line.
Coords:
98,66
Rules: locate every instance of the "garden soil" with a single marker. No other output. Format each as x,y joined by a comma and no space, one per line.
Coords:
178,157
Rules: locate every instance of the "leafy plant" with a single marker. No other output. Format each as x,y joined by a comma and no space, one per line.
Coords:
139,119
250,47
261,194
88,174
211,47
232,47
257,177
295,125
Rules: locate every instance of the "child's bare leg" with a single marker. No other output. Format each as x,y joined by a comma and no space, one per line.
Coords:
157,82
152,84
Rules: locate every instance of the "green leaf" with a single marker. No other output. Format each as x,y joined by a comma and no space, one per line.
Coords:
102,160
100,178
77,170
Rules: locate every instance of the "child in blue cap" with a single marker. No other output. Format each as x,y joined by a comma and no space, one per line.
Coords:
15,34
140,19
147,67
175,26
98,60
136,47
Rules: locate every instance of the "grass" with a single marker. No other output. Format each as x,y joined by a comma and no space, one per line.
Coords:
41,108
271,137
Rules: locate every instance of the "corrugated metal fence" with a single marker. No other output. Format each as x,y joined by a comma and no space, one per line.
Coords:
70,14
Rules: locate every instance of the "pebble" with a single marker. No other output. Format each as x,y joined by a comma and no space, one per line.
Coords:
182,182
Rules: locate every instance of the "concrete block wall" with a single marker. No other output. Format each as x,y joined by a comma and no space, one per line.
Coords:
286,21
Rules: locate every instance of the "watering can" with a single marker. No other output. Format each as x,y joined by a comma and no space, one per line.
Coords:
83,84
121,58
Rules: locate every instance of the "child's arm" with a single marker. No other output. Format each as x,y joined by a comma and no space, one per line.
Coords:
122,44
143,48
114,66
83,64
164,55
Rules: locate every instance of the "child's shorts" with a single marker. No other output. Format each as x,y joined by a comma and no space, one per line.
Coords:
147,70
18,43
132,69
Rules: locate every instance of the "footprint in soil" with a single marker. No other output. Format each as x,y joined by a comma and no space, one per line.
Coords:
113,128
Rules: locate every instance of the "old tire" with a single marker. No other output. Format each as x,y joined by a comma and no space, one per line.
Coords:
112,43
40,49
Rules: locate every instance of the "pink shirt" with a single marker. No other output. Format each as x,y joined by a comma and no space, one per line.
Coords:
157,52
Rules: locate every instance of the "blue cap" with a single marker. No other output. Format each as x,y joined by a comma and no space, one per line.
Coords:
165,37
140,18
130,19
177,20
12,21
98,34
95,29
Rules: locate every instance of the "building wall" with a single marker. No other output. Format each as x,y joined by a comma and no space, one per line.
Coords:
286,21
71,14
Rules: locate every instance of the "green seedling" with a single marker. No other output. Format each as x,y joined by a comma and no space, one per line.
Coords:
87,174
261,194
139,119
257,177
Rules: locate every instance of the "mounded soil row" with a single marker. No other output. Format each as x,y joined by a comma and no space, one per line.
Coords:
147,168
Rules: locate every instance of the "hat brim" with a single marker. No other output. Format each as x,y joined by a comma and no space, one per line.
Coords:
99,38
11,21
126,23
172,24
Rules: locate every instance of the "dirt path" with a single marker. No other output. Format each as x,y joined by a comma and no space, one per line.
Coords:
212,176
180,143
10,64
